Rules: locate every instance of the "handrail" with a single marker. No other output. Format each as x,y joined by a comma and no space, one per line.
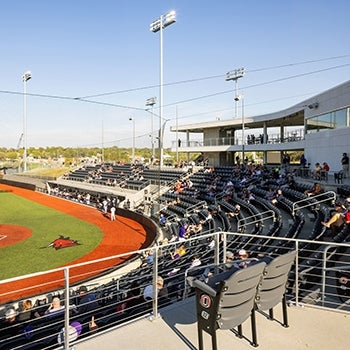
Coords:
219,236
257,220
194,207
333,197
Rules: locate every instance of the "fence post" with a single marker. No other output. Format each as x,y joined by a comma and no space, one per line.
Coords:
154,279
66,307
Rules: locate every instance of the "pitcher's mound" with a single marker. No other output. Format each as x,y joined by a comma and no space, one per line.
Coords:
11,234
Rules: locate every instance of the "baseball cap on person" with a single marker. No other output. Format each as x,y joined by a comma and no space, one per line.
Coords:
10,313
229,255
82,289
242,252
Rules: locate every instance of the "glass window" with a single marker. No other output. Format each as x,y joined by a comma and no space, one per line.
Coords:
332,120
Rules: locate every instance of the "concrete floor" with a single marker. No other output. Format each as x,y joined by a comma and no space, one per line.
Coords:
176,329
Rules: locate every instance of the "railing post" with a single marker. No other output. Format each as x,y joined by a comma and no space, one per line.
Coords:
66,308
155,290
297,274
217,248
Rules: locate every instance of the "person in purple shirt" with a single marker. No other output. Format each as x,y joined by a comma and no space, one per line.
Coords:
182,232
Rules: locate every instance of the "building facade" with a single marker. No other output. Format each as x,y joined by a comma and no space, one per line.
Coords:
319,127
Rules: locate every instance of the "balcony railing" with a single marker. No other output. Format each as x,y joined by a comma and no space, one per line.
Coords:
294,136
322,269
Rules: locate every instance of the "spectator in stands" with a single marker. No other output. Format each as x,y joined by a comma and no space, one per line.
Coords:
211,243
285,160
173,238
213,278
195,262
235,212
271,195
315,190
161,290
10,326
183,234
337,220
195,229
316,172
247,195
55,306
162,220
208,217
345,165
87,301
303,161
132,300
149,257
179,252
243,255
26,311
325,166
127,204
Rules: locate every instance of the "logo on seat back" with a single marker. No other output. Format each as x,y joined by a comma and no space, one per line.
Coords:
205,301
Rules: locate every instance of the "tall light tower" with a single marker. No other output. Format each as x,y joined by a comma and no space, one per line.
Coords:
235,75
151,102
25,77
157,26
133,139
241,98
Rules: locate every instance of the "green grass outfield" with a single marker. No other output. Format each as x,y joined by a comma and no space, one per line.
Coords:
46,224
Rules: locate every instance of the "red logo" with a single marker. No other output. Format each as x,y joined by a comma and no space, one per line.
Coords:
205,301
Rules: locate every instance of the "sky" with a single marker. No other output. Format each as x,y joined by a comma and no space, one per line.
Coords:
95,63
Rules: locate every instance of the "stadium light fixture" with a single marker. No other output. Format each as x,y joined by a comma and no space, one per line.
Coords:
235,75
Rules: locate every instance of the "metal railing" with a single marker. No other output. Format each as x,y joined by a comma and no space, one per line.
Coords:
257,220
310,201
313,280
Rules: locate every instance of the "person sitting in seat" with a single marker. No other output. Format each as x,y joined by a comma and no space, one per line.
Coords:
27,312
162,291
162,220
337,220
87,301
315,190
235,212
55,306
179,252
9,327
212,277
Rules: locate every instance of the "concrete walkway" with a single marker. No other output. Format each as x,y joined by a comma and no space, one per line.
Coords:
176,329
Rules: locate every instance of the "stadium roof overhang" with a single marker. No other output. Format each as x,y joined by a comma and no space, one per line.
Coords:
288,117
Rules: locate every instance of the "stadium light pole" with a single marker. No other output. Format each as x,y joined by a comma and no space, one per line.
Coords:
133,139
25,77
241,98
235,75
151,102
157,26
